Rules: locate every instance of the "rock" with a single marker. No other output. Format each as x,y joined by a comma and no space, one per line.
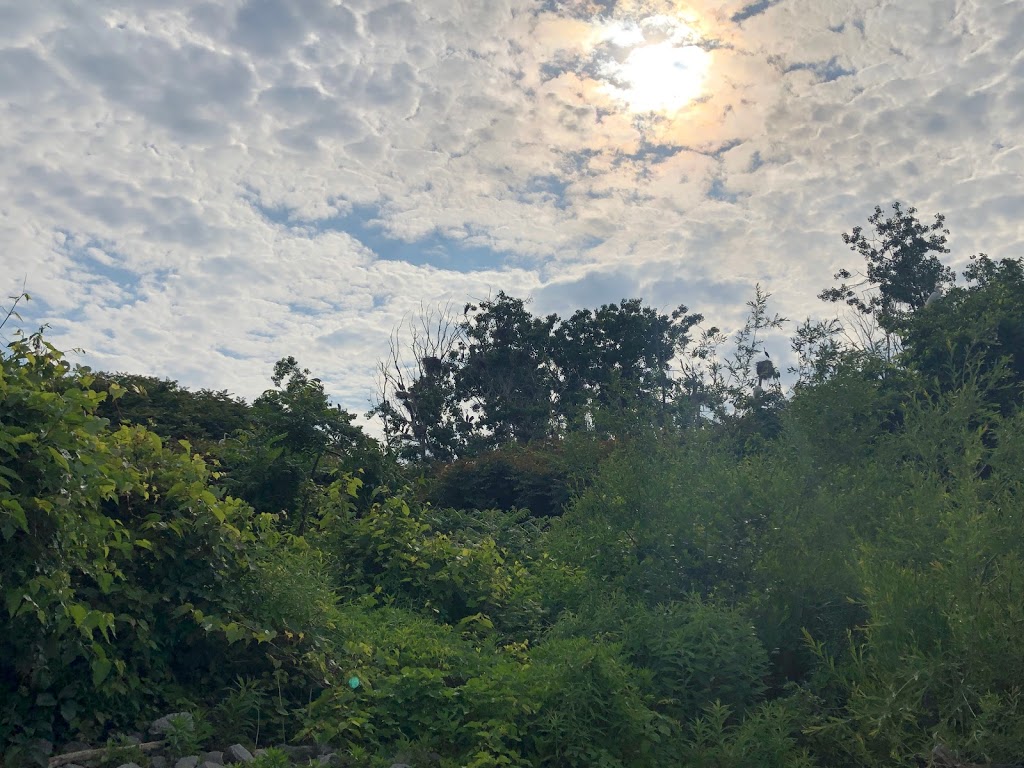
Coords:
259,752
187,762
236,753
216,757
400,765
129,765
165,724
299,754
209,764
74,746
158,762
331,760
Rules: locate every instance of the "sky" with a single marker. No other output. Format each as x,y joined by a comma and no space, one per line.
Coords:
194,189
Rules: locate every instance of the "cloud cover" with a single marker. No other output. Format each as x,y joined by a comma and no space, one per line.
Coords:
195,189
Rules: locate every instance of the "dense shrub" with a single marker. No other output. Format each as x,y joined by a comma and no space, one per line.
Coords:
121,569
835,582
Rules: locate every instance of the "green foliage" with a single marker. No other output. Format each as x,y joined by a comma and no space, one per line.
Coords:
175,413
977,330
503,376
768,738
297,442
941,652
272,758
618,356
663,520
537,477
237,715
120,750
589,708
902,269
290,584
698,653
187,735
740,576
506,371
695,651
408,668
392,550
121,567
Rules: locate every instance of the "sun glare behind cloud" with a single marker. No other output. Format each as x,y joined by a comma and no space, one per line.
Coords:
663,71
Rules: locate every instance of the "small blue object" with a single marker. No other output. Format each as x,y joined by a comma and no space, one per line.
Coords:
353,682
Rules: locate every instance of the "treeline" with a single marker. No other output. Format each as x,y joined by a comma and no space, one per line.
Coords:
610,539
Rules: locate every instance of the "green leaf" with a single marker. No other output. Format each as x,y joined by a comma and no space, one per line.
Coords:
234,632
69,710
14,509
100,666
14,600
59,458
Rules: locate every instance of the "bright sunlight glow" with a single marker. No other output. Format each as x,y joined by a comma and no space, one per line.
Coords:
663,71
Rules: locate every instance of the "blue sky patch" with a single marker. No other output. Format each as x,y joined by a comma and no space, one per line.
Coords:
753,9
128,281
364,223
718,191
826,71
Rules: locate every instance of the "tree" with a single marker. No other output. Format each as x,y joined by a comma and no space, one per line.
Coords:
277,463
618,357
902,266
174,412
727,387
417,399
507,374
976,330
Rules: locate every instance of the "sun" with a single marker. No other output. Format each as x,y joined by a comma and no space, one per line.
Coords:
652,65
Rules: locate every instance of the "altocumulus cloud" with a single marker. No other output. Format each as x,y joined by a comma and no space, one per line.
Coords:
194,189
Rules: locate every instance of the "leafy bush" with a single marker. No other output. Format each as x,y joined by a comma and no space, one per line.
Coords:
694,652
393,550
120,567
663,520
767,738
399,679
698,653
512,477
187,735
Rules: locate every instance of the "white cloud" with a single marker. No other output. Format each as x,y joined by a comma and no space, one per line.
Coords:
142,144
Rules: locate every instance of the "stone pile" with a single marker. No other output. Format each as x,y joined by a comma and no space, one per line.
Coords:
156,753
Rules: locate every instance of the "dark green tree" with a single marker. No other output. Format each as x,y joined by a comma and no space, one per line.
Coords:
902,270
174,412
618,358
507,374
976,330
297,439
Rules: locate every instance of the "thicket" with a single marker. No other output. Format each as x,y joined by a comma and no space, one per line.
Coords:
632,554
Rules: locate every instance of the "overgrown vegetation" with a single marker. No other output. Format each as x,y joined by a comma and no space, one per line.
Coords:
598,541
